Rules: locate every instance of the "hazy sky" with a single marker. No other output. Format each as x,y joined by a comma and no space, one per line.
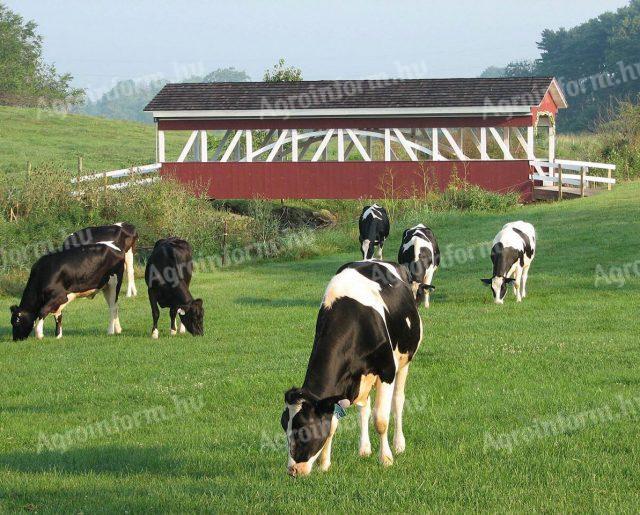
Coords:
102,41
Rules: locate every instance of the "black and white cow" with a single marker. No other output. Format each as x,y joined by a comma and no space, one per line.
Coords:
420,254
374,228
122,234
513,250
58,278
168,275
367,332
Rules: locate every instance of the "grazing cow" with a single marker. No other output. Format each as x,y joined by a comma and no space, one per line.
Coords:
58,278
368,330
512,253
168,275
420,254
374,228
123,235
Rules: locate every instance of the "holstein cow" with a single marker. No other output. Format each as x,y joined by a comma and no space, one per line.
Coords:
122,234
58,278
374,228
368,330
420,254
512,253
168,275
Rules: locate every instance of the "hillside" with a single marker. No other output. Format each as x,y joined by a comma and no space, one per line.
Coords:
44,137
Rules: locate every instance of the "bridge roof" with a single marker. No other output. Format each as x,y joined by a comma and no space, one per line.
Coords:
348,98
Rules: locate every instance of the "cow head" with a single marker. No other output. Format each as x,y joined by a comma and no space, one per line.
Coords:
22,322
498,287
192,316
421,292
308,424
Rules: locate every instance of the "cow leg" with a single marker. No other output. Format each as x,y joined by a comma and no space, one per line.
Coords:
380,249
110,292
155,314
428,277
381,419
398,405
58,319
39,329
365,413
525,276
182,328
173,313
131,281
516,284
325,454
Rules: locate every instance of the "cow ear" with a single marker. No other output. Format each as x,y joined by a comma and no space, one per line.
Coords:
486,281
197,303
293,395
14,309
429,287
328,405
509,280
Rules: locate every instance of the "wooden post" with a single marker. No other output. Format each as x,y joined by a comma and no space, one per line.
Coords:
224,243
609,176
560,183
583,178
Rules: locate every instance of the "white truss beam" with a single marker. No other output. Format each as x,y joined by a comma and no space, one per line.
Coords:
354,140
323,145
220,147
405,145
277,145
248,140
340,145
232,145
499,139
203,147
387,144
454,145
187,147
294,145
161,148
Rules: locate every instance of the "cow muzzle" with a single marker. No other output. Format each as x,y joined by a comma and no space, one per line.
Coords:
299,469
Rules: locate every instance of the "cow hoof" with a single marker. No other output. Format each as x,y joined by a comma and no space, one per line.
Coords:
399,445
183,329
154,334
365,451
386,460
59,336
324,467
173,332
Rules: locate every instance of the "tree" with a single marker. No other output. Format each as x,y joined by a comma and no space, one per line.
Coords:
283,73
492,72
524,68
227,75
25,79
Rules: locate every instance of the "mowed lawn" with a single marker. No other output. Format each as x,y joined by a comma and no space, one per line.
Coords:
531,406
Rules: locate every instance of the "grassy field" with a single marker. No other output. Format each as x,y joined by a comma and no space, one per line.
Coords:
90,423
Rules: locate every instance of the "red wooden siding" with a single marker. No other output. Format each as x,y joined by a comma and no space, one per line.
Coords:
347,180
343,123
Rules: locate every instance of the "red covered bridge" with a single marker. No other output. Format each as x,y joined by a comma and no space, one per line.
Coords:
360,138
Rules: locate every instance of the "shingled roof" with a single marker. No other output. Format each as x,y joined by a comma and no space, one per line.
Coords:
520,92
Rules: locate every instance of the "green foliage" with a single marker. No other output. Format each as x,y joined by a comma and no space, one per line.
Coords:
25,79
283,73
595,62
227,75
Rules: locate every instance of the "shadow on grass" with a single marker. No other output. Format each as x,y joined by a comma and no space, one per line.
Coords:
111,459
277,303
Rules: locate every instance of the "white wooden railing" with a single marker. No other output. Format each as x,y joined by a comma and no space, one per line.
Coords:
555,173
130,173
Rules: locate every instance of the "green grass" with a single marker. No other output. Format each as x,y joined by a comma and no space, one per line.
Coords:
49,138
482,369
